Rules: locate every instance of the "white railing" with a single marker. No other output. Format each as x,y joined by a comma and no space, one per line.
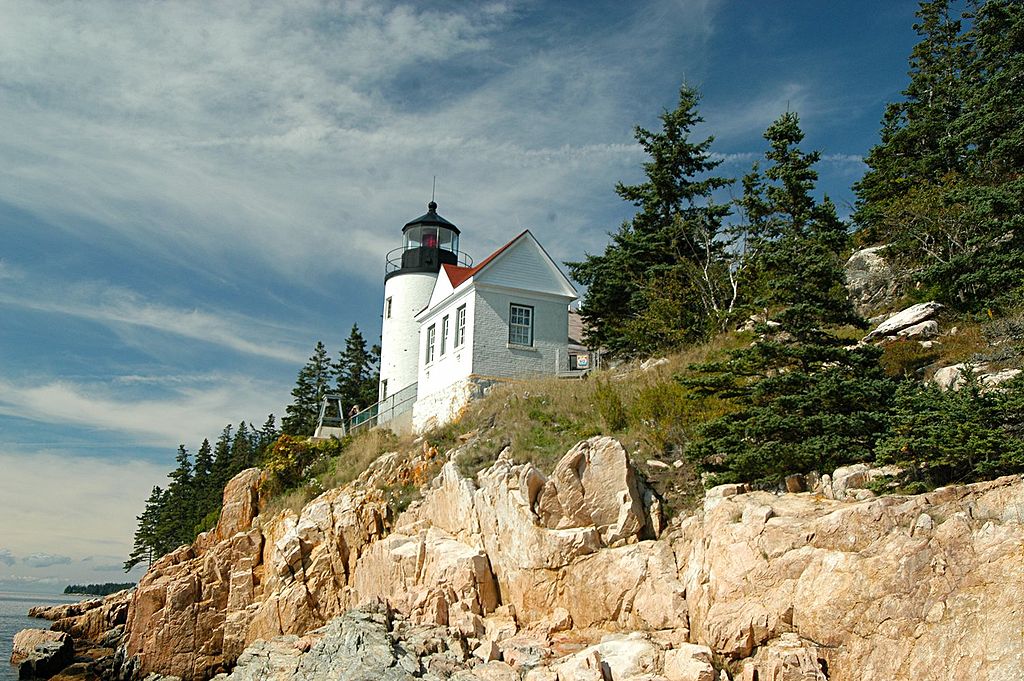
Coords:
384,411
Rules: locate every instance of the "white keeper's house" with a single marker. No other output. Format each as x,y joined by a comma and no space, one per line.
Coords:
451,329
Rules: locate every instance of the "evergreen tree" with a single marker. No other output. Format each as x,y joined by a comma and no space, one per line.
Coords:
206,491
356,372
241,450
802,400
312,384
919,143
940,437
662,280
222,458
178,511
147,545
946,184
986,267
268,434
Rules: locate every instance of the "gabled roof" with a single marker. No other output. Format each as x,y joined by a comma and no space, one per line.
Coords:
459,275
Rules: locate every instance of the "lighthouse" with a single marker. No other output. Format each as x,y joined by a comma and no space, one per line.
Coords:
411,271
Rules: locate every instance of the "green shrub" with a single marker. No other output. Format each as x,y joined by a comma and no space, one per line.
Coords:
291,459
954,436
609,406
661,411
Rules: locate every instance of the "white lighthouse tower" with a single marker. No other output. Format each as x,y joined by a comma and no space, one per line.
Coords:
412,269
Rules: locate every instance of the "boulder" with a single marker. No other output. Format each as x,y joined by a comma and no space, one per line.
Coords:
954,377
795,483
47,657
870,279
849,478
785,659
689,662
102,616
951,377
616,657
26,640
594,485
927,329
995,378
906,319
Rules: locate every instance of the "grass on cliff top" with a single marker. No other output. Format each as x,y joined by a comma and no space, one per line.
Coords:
540,419
653,416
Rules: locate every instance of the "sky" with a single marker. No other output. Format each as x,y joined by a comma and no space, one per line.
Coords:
193,193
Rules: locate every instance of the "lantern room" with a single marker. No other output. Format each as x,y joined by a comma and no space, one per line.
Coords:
429,241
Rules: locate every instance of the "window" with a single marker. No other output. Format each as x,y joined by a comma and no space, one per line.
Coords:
460,326
387,308
430,344
444,334
384,389
430,237
520,325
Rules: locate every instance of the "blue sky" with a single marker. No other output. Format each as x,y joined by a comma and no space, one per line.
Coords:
192,194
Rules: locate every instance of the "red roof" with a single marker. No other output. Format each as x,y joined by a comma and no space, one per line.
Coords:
457,274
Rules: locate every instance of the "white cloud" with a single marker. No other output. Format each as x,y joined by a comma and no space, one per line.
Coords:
43,560
114,306
6,557
58,508
187,414
302,136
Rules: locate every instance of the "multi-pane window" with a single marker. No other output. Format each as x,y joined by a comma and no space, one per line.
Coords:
460,326
430,344
387,308
520,325
444,334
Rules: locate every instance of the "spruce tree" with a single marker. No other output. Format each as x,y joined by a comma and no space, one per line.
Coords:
919,141
177,520
268,434
944,187
802,400
939,437
147,546
312,384
207,495
986,269
662,280
356,372
222,459
242,453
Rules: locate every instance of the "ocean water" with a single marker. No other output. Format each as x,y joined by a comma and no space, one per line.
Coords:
13,618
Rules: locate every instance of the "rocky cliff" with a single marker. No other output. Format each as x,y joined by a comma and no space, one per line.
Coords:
571,575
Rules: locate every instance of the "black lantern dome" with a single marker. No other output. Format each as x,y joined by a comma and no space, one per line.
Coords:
429,241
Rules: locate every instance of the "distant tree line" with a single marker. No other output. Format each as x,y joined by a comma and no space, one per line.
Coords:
190,502
104,589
